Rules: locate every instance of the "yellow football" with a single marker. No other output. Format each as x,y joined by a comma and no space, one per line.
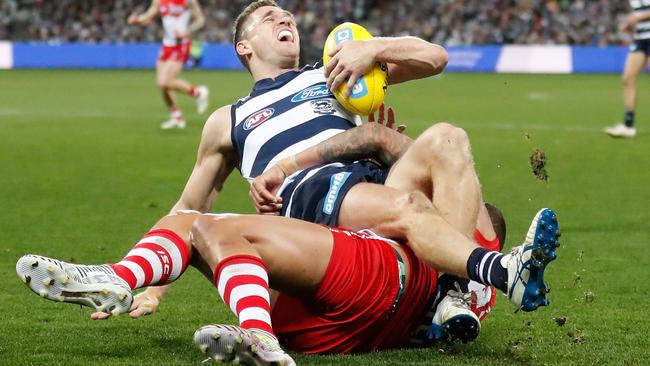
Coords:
369,90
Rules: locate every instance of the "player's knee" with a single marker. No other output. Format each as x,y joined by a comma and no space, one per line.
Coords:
208,232
444,140
629,79
407,207
162,83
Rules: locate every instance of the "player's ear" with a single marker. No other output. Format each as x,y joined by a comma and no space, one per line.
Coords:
243,47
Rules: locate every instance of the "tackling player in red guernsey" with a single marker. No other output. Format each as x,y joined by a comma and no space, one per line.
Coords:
178,30
339,291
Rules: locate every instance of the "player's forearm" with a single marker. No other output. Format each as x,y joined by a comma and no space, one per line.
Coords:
143,19
411,57
641,17
197,24
369,141
194,204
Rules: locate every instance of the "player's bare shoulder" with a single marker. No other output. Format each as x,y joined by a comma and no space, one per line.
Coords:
216,131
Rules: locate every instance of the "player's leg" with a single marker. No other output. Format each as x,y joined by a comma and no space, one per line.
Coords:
634,65
442,246
164,75
636,61
295,252
173,82
247,253
159,258
439,163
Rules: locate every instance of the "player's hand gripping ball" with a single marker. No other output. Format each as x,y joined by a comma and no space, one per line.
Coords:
369,91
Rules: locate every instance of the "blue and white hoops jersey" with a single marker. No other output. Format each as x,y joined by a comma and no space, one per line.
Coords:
284,116
643,27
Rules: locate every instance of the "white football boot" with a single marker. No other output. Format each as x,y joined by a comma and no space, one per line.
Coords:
202,100
527,262
94,286
229,343
173,123
621,130
454,318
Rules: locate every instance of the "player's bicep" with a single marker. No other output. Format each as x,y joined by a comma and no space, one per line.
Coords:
153,9
215,161
206,180
197,12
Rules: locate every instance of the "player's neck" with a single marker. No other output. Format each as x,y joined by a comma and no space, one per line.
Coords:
270,71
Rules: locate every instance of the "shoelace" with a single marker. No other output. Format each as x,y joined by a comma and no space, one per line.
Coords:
460,298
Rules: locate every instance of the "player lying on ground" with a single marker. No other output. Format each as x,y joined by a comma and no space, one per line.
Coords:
340,291
175,51
290,110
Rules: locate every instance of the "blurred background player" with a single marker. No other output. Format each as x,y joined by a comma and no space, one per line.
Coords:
175,51
639,22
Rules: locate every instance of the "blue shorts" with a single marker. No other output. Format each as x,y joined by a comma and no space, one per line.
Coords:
641,45
316,194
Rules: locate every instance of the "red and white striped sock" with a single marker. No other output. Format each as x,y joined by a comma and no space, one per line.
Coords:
159,258
176,113
243,283
193,91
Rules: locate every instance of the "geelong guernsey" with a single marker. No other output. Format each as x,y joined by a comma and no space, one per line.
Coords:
284,116
175,16
642,27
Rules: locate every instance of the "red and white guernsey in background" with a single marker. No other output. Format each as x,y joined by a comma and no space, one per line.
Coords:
175,15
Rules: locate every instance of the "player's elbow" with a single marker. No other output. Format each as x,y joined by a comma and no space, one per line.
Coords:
438,59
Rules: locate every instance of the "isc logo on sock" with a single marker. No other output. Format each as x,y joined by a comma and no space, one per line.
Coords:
164,259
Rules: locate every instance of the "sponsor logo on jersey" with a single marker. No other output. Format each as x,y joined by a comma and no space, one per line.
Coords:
258,118
313,92
323,106
336,182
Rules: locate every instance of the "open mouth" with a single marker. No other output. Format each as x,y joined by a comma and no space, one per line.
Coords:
285,36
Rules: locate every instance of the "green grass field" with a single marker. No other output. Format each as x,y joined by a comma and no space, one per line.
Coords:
85,170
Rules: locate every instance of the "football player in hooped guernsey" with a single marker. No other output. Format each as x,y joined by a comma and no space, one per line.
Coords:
290,133
637,22
291,137
178,30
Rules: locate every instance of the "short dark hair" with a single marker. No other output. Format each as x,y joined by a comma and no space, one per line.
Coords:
238,29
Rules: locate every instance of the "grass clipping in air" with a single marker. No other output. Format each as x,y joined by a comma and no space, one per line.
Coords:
538,164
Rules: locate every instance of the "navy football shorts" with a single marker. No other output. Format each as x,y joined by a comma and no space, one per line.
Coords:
641,45
316,194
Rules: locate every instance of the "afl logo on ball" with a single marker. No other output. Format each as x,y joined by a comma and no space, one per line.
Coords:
258,118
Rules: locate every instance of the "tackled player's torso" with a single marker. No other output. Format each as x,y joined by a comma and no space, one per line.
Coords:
284,116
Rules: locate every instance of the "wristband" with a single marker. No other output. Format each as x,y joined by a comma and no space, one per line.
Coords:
288,165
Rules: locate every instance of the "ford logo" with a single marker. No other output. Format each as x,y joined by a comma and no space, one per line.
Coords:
313,92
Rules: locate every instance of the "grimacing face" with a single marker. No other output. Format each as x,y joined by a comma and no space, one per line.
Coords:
272,36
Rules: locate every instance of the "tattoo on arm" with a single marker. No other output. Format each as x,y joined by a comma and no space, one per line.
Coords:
370,140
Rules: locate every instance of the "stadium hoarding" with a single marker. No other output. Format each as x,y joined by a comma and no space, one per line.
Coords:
109,56
473,58
599,59
500,59
6,55
535,60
